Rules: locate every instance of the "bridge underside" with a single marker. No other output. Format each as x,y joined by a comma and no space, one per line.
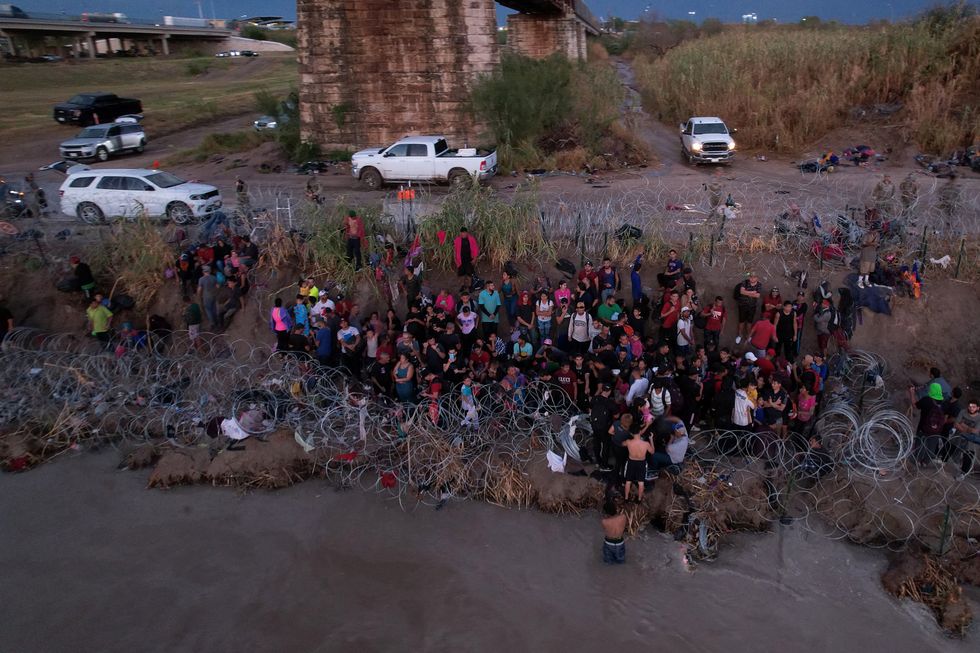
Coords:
373,71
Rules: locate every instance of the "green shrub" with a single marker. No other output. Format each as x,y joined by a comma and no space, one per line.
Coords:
197,67
254,32
533,108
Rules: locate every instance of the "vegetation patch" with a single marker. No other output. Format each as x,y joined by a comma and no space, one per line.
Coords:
534,109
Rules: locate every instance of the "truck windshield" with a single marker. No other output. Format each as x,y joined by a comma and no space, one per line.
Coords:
92,132
710,128
164,180
81,99
441,146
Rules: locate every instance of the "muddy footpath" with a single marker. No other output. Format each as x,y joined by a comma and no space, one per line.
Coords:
94,562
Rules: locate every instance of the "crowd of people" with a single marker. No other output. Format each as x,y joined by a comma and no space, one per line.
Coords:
650,371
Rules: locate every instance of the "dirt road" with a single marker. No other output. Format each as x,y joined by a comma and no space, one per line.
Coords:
94,562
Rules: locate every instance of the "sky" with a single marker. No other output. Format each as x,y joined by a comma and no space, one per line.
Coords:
849,11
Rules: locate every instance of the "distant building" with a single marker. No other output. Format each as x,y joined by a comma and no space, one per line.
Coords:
750,19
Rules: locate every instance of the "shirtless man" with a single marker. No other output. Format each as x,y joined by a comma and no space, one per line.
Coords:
636,465
613,527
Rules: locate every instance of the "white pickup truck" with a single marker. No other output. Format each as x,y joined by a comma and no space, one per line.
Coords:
424,159
707,140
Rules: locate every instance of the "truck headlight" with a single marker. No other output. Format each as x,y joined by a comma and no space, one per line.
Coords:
197,197
696,147
731,146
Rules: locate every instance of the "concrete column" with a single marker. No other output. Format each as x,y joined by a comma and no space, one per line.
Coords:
164,45
90,45
77,50
541,35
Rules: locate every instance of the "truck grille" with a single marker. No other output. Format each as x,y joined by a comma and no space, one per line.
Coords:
715,147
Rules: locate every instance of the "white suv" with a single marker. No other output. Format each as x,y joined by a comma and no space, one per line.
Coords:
92,195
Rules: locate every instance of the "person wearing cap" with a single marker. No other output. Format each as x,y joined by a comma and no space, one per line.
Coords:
748,294
771,303
685,333
931,422
83,274
589,277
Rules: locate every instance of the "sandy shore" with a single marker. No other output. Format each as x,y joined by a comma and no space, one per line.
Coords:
93,562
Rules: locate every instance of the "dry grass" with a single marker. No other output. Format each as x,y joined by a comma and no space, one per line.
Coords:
135,255
795,85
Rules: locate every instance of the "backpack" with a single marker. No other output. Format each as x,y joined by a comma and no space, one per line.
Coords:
834,323
700,320
566,267
935,420
737,292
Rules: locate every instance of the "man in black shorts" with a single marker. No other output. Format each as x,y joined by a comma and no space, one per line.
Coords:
635,470
749,292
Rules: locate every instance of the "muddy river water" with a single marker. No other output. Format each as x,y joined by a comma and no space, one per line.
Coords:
91,561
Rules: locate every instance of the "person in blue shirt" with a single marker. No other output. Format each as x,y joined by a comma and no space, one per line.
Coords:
489,304
324,342
636,284
301,315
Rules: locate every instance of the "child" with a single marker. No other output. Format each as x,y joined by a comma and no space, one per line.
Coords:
301,314
468,403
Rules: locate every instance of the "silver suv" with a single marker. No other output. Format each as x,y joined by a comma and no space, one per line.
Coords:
102,141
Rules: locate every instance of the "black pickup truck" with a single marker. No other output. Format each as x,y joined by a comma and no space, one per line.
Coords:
94,108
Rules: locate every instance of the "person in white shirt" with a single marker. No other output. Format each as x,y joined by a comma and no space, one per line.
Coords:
323,303
685,332
659,398
638,388
744,408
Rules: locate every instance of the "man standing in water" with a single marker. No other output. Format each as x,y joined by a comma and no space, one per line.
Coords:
613,527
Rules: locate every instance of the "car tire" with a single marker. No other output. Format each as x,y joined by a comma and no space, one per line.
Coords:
102,154
141,146
459,178
372,179
89,213
179,212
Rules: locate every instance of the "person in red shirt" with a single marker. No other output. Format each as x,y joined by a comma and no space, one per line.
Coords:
760,335
589,276
771,303
567,379
669,315
765,364
715,318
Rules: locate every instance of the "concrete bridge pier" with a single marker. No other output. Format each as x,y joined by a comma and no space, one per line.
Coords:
541,35
373,71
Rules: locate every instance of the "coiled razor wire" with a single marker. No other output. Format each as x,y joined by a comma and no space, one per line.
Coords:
67,390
